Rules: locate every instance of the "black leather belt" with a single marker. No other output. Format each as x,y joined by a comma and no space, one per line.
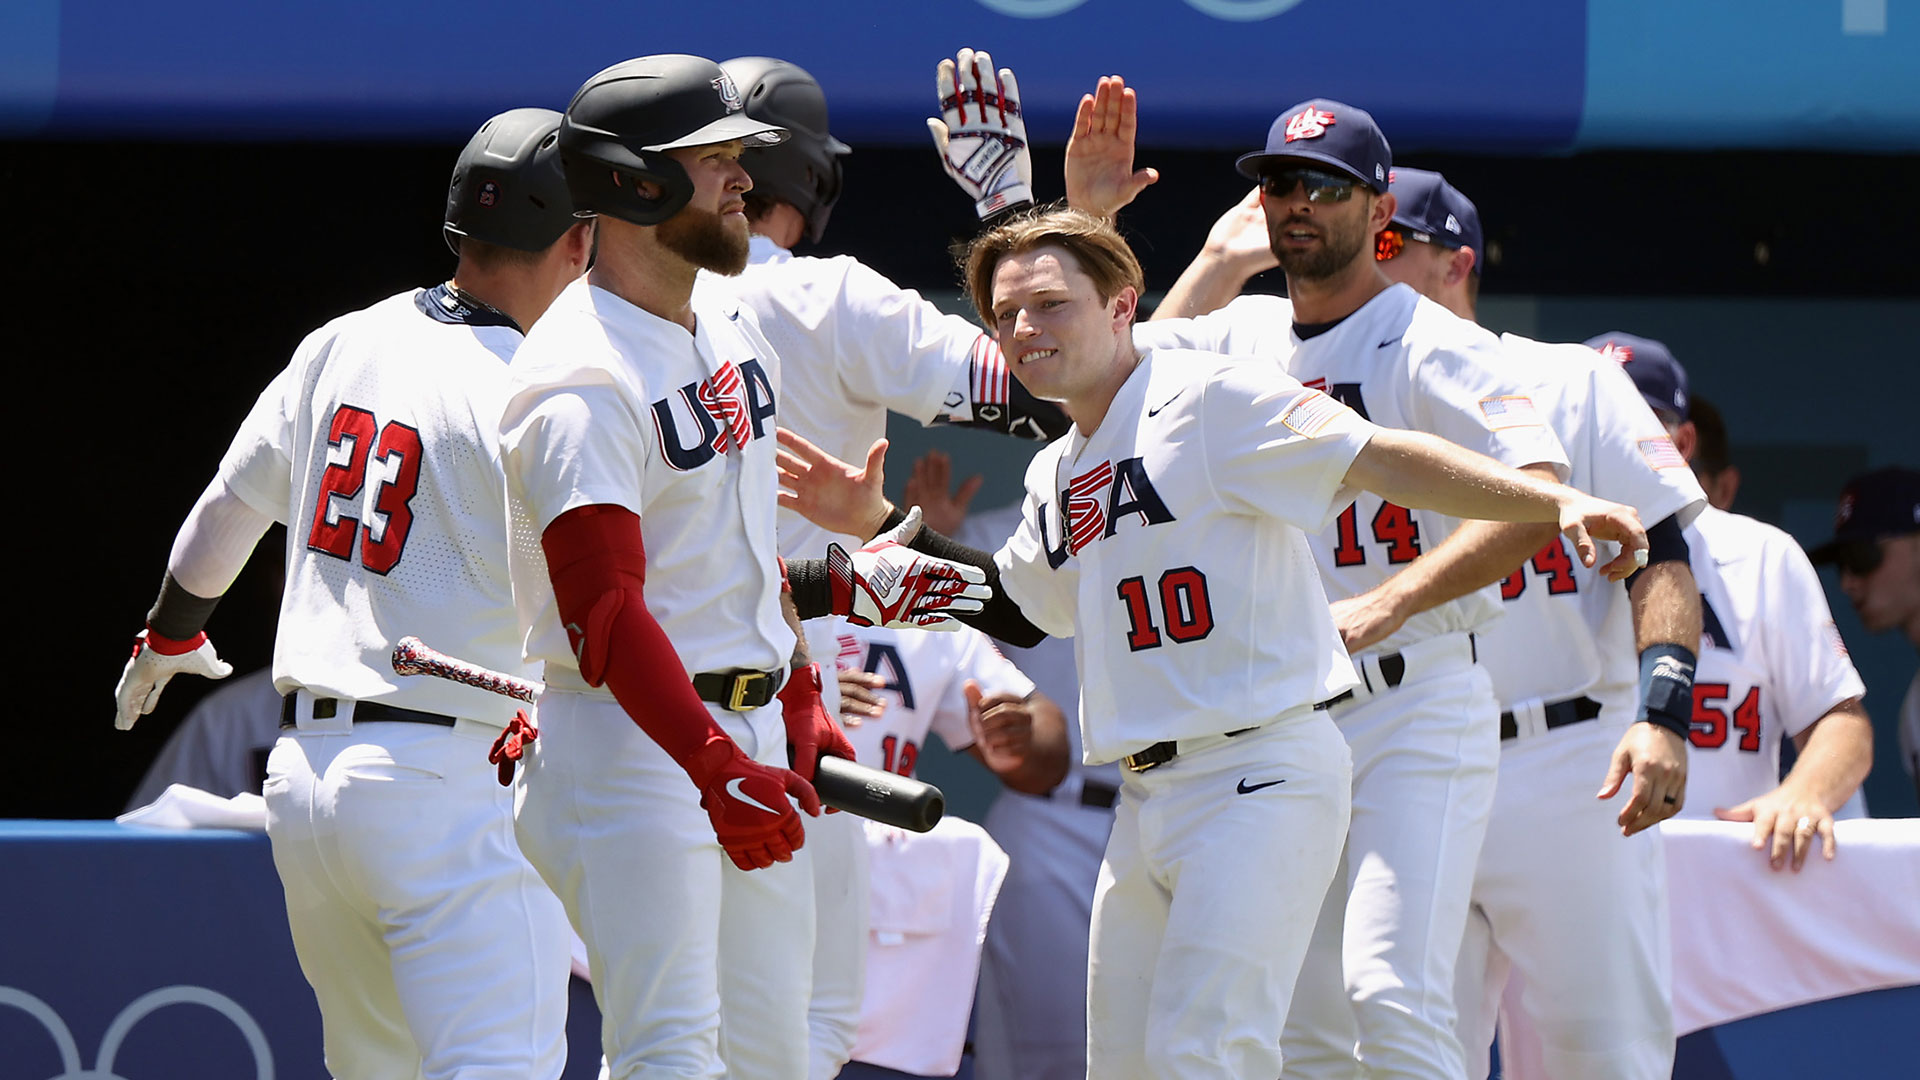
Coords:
737,691
1559,714
1162,752
364,712
1099,794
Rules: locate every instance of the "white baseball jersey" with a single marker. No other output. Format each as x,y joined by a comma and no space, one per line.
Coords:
613,405
854,345
378,447
926,673
1400,361
1568,630
1771,661
1168,543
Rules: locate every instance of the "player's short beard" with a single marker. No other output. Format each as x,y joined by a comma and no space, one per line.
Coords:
1340,244
704,239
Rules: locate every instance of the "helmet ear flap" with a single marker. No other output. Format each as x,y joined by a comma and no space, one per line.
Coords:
612,189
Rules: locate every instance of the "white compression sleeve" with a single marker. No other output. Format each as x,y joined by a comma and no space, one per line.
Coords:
214,542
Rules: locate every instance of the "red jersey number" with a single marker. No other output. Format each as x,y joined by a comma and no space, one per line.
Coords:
1393,527
391,459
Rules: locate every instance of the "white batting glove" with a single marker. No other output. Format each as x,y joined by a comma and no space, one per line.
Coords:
889,584
147,673
982,136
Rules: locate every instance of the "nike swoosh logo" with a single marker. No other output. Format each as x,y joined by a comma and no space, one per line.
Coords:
1390,342
1155,411
1248,789
733,789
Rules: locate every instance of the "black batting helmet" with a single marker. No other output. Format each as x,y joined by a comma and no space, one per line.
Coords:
508,187
622,120
804,170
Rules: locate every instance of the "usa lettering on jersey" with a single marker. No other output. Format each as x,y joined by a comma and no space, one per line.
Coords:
729,408
1096,500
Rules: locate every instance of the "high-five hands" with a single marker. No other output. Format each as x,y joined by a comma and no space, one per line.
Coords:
981,135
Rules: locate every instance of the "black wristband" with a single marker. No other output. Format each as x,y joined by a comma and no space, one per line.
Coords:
1666,687
177,613
812,589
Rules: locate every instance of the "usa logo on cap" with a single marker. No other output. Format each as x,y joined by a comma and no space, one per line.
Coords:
729,93
1308,123
1619,354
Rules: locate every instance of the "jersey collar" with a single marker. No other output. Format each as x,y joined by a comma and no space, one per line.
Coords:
447,304
760,249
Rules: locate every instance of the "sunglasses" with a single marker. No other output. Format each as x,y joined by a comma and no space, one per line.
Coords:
1322,187
1860,559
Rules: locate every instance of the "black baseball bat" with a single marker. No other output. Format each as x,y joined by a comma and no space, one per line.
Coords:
885,797
844,785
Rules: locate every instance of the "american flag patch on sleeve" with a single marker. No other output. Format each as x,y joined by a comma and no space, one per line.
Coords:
1661,453
1310,415
1511,411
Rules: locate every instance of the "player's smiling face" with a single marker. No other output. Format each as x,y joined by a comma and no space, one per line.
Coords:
1063,342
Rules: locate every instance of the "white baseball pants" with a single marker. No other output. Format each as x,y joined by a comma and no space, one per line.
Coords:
1377,984
842,898
700,969
434,949
1576,912
1206,901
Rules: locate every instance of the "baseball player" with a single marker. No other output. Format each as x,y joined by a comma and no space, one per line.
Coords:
1585,677
1876,545
378,447
639,454
852,345
1407,592
1772,665
896,686
1164,533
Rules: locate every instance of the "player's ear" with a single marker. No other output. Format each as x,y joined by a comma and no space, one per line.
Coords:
1686,439
1383,207
1460,264
1124,306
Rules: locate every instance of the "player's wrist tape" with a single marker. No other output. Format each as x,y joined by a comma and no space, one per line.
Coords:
1666,687
177,614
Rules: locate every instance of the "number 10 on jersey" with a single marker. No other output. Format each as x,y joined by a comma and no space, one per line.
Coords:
1186,609
390,458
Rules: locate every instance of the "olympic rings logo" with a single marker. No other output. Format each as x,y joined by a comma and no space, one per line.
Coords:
1226,10
135,1012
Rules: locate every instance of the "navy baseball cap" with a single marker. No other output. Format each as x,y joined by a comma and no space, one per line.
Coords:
1328,133
1661,379
1884,502
1435,211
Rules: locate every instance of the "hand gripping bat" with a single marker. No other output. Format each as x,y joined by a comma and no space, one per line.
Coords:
844,785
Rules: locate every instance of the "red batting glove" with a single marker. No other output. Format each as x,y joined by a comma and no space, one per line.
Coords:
810,731
512,745
752,817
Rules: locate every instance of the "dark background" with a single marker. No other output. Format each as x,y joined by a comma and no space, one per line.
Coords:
163,284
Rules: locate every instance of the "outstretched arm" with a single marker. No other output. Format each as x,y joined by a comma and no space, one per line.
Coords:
1421,471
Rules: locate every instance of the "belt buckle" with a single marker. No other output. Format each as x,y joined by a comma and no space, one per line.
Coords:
1132,763
743,684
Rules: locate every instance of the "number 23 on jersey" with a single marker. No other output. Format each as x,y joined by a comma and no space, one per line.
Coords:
361,452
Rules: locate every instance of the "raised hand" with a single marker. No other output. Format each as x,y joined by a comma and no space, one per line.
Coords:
981,135
1100,174
829,492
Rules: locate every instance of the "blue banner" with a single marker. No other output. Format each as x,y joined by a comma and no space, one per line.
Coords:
1493,76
